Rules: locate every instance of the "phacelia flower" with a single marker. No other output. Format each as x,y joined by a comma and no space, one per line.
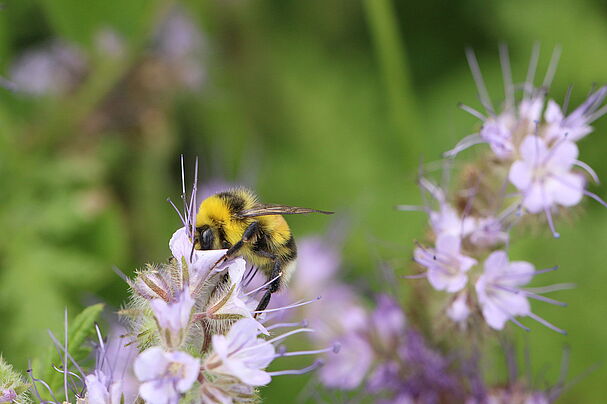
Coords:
52,69
112,380
165,375
347,370
459,310
173,318
577,124
488,232
387,323
7,395
241,354
100,390
446,265
499,293
499,302
543,175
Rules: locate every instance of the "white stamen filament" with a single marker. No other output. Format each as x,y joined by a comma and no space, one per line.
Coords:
335,349
264,285
318,363
292,306
547,324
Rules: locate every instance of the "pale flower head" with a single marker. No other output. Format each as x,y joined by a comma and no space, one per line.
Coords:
498,133
495,289
241,354
348,369
459,311
7,395
446,265
165,376
173,318
543,175
577,124
488,232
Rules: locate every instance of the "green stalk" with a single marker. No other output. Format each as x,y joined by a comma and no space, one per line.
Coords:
395,73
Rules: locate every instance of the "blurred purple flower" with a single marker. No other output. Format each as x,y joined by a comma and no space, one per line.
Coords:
577,124
347,370
317,263
112,380
488,232
446,266
497,132
8,395
459,310
500,296
51,69
429,376
499,301
181,45
387,323
165,375
543,174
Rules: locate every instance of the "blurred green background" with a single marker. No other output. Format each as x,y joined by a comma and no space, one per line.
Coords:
329,104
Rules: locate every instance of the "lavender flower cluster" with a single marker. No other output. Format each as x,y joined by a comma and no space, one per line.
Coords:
530,173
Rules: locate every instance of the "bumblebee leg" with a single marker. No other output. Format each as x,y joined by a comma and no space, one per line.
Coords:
273,287
248,236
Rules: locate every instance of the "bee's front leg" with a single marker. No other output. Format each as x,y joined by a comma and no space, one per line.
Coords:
249,235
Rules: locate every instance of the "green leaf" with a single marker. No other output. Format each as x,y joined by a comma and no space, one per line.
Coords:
79,331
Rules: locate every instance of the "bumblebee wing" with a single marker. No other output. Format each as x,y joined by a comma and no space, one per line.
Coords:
272,209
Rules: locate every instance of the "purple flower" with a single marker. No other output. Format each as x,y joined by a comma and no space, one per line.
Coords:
317,263
101,390
52,69
447,221
347,370
112,380
499,293
241,354
497,132
173,318
459,310
577,124
387,323
488,232
165,375
428,375
544,177
494,289
7,395
447,267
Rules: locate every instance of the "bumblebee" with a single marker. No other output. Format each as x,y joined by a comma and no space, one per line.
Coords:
235,220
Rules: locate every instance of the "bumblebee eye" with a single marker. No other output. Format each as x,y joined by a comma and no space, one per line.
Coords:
206,239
